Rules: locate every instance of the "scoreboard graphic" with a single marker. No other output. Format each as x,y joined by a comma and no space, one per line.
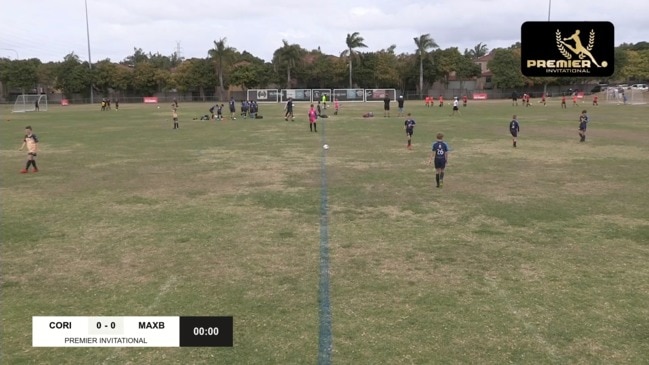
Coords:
132,331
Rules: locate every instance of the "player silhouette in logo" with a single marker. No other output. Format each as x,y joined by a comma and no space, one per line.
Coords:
578,49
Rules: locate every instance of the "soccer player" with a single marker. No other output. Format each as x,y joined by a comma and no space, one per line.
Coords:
319,109
31,142
464,101
514,98
574,99
400,102
563,102
36,106
174,116
211,110
456,109
336,106
440,154
409,126
324,101
595,103
427,101
514,129
583,124
233,108
313,117
288,108
386,105
116,104
543,99
244,109
441,101
219,112
254,109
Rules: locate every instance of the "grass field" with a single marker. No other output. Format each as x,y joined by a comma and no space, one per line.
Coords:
533,255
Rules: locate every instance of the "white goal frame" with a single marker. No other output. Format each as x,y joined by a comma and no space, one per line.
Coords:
27,103
636,96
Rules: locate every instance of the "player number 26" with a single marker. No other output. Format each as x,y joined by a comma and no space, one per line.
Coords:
209,331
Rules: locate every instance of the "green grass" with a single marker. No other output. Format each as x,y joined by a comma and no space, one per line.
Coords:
534,255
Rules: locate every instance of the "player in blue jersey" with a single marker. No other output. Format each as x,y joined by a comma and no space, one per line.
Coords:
514,129
409,125
583,124
439,153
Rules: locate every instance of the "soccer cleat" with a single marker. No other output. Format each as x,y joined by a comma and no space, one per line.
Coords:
23,171
441,184
35,169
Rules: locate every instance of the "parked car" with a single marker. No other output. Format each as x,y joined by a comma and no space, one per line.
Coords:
643,87
598,88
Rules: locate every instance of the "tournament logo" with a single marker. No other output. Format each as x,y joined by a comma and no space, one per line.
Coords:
587,52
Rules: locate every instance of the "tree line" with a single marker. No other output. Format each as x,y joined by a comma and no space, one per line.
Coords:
293,66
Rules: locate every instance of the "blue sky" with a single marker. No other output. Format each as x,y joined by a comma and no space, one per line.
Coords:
51,29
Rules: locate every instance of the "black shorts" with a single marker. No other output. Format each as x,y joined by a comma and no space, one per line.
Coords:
514,132
386,107
409,132
440,163
33,154
175,119
455,108
514,99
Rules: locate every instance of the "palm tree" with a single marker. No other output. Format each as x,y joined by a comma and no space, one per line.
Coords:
424,42
353,41
478,51
221,53
288,56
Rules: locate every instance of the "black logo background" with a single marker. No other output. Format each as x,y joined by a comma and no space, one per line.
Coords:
538,42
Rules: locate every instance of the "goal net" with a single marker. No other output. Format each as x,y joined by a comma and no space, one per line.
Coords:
637,96
627,96
30,103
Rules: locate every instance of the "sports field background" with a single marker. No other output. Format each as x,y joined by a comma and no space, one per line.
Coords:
533,255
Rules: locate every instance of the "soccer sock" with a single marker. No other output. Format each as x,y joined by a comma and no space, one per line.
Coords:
34,164
315,127
437,179
441,176
29,162
311,127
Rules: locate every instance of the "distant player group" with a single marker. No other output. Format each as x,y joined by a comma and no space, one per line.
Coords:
439,149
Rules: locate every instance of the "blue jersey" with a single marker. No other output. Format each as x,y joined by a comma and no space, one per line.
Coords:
440,149
410,124
583,121
513,126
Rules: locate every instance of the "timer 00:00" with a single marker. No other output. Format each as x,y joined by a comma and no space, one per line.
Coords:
209,331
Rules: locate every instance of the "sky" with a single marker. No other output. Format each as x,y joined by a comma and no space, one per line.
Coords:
49,30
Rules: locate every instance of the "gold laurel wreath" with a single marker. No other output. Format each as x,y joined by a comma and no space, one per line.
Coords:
563,51
591,40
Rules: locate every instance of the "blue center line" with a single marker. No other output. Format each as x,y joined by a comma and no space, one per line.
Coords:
325,338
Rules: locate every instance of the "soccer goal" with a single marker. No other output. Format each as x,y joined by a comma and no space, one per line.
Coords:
30,103
637,97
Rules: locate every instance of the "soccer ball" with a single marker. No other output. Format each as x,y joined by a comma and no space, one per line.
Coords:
158,107
326,146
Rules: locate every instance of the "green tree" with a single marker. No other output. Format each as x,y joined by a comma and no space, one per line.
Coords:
636,67
466,69
23,74
73,76
104,73
506,67
144,79
249,75
287,58
137,57
477,51
222,55
424,43
353,41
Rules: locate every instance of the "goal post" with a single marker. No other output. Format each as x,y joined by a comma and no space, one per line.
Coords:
637,96
30,103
